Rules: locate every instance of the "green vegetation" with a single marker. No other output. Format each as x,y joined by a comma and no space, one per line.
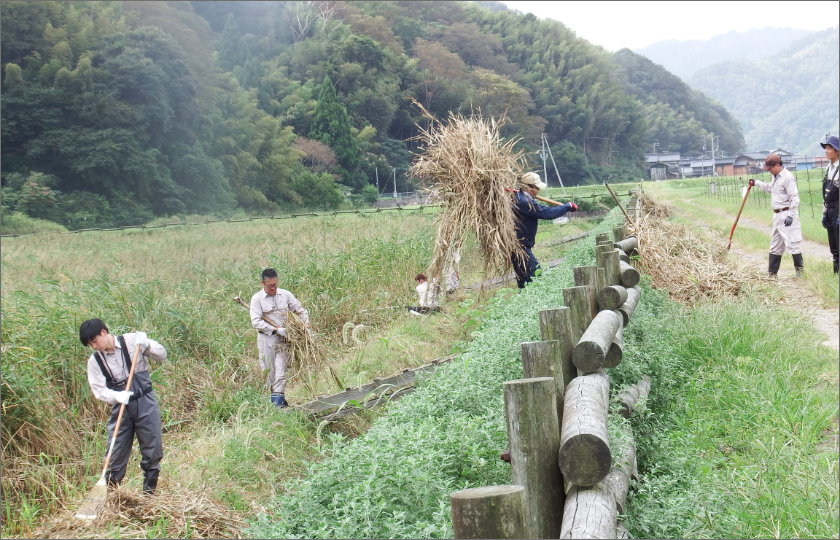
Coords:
117,113
787,99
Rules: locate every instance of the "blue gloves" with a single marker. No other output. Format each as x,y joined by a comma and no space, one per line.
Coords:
788,221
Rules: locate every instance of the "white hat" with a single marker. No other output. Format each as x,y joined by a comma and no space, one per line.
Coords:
532,179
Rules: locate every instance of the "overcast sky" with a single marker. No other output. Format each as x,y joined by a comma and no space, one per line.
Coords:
615,25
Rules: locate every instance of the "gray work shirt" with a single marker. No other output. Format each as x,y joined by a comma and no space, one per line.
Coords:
783,191
276,309
115,363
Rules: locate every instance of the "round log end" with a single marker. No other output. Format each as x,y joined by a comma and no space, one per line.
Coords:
588,356
585,459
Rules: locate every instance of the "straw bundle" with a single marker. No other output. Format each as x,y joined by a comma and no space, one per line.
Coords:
469,166
173,513
678,260
307,357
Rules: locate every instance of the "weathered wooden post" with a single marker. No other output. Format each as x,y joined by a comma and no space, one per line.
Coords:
599,250
612,271
534,441
602,279
619,477
627,308
628,245
489,512
542,359
587,276
589,512
556,324
629,275
584,455
602,238
611,297
590,352
577,300
619,232
616,350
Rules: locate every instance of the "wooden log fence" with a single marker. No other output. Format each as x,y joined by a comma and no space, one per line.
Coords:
559,409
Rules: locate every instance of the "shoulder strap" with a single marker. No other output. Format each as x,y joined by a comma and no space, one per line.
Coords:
105,371
126,356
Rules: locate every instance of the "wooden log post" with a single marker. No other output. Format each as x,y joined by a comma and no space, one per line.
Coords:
577,300
489,512
611,297
556,324
584,455
602,238
628,307
534,441
622,256
629,397
619,232
629,275
628,245
616,350
589,512
612,270
542,359
599,249
621,531
619,477
587,276
602,279
590,353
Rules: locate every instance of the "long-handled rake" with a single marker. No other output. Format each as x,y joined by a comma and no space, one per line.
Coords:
98,496
746,194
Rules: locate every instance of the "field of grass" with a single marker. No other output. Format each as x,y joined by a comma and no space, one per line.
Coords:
177,283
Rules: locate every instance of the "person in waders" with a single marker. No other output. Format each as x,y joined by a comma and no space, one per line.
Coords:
107,369
274,304
831,190
784,200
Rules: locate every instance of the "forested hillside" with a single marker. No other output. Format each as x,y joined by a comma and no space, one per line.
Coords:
679,118
116,112
789,99
684,58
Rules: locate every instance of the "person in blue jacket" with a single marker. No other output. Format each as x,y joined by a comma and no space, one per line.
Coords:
528,214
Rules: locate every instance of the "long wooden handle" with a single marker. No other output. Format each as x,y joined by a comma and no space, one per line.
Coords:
618,203
732,232
122,410
543,199
243,304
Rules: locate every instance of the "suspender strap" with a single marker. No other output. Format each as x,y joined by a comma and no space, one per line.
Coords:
110,382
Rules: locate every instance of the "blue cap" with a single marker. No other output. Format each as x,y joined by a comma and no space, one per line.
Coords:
833,141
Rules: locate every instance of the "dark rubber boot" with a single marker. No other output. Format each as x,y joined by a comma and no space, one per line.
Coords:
775,263
113,482
798,264
835,268
150,479
279,400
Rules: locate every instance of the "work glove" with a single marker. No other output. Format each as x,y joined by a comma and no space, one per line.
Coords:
123,397
752,182
825,223
142,340
574,207
281,331
788,221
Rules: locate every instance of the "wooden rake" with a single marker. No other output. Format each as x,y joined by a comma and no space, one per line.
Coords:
98,496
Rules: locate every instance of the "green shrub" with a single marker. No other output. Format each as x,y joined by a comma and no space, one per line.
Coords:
20,223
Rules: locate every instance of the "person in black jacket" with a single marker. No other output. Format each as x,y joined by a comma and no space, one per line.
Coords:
831,189
528,214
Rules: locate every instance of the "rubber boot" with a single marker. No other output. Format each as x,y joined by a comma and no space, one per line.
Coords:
835,267
279,400
150,479
797,263
775,263
113,481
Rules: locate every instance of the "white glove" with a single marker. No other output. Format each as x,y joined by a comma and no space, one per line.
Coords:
281,331
123,397
142,340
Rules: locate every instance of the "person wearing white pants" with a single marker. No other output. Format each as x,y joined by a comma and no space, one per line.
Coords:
784,200
274,304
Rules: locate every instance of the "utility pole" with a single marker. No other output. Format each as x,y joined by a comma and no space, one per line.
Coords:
395,183
543,154
713,154
555,167
377,181
654,147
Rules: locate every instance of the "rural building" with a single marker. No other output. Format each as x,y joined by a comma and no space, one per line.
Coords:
663,166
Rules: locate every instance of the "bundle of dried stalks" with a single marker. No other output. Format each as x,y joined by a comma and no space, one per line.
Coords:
689,267
172,513
308,359
469,166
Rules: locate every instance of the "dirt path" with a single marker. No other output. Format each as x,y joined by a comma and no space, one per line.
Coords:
796,293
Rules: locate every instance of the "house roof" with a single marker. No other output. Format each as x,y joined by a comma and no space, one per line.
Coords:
654,158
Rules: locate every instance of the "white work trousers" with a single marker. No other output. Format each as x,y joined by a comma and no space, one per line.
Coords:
785,238
274,354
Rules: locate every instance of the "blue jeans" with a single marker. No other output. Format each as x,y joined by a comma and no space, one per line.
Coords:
525,270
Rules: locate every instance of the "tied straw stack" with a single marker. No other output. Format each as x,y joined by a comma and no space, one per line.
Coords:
307,358
469,166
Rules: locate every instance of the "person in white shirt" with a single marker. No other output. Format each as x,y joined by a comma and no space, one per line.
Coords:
784,200
427,293
108,369
831,188
274,304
